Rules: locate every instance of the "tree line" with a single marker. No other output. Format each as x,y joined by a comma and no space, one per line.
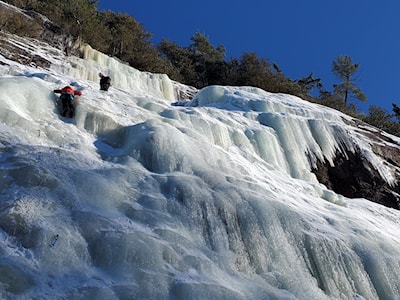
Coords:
200,64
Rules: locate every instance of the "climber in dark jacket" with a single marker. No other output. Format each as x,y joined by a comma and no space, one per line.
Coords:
105,82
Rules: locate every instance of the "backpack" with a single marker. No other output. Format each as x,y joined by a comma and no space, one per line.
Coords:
105,80
105,83
67,97
67,109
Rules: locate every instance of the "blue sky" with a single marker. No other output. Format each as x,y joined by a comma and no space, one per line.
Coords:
300,36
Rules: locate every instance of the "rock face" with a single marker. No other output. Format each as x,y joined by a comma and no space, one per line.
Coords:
353,175
36,27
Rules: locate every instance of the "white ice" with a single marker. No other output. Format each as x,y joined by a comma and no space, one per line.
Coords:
136,198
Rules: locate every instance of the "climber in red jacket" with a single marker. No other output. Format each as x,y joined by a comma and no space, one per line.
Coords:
67,99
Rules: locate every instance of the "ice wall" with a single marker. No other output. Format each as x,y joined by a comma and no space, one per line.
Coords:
294,133
123,76
139,199
25,103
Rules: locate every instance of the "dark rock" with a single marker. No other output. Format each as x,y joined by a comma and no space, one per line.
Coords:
353,176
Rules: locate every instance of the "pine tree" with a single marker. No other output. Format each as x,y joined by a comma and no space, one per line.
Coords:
206,59
396,110
344,69
380,118
309,83
254,71
180,61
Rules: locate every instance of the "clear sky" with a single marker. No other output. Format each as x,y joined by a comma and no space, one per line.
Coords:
300,36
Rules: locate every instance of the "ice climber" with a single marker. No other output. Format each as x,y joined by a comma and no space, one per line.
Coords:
105,82
68,101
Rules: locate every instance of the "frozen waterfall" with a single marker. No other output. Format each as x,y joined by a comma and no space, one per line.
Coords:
139,199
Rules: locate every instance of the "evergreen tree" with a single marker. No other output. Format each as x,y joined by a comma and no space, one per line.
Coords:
309,83
254,71
396,110
344,69
206,59
381,119
179,58
130,42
